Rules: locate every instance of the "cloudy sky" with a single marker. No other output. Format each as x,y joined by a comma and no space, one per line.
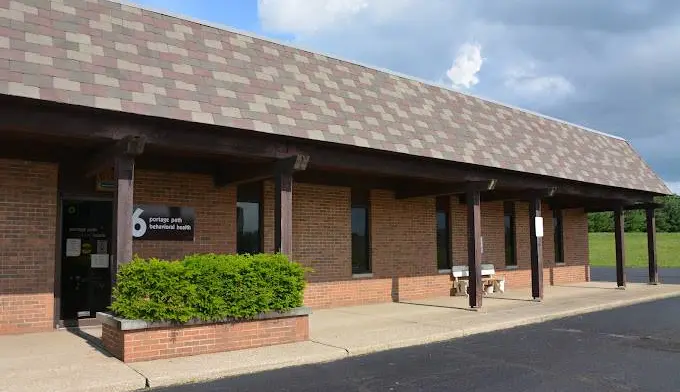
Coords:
609,65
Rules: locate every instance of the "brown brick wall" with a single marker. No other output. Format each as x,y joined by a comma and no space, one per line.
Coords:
403,240
322,232
150,344
459,239
28,211
404,257
493,235
575,237
556,275
268,211
403,248
403,237
215,212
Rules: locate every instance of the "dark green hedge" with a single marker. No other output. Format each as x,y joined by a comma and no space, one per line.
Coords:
207,287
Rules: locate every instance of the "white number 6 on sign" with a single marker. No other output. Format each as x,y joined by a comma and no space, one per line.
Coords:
138,224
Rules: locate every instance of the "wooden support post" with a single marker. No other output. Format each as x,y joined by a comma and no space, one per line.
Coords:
283,212
474,227
124,168
651,247
620,247
536,242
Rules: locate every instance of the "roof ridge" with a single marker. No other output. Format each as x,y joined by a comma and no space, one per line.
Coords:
360,64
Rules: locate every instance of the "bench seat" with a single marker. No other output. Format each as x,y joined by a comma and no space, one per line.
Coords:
490,281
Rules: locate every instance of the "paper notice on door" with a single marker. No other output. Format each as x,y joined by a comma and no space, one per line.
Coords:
102,246
99,260
73,247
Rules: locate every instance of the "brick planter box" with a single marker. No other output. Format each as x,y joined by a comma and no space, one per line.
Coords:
138,340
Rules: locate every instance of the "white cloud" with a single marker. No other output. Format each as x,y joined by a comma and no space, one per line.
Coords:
466,66
304,17
530,85
674,186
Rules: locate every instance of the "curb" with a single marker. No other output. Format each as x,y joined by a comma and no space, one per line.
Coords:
215,374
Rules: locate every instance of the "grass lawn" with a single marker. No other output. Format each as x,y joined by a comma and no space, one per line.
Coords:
602,251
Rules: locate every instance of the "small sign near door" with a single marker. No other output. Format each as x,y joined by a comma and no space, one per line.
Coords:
99,261
73,247
163,223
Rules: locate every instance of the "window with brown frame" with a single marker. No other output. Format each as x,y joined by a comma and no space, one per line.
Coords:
361,245
443,217
510,243
249,212
558,236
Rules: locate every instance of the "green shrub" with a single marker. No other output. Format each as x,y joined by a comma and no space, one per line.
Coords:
207,287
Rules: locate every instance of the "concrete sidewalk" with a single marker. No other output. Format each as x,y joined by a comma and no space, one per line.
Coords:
62,361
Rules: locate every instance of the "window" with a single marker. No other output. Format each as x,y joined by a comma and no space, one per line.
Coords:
443,233
509,222
249,218
558,233
361,260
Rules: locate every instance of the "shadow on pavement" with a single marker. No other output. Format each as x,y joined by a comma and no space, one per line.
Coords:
589,287
92,340
495,297
436,306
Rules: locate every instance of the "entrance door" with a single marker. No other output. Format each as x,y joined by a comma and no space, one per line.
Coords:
86,246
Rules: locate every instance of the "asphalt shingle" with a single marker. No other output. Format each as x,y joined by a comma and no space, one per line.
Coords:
149,63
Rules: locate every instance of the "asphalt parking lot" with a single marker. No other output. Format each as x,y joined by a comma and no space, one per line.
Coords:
635,348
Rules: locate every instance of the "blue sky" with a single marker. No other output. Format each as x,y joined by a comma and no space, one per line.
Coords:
239,14
610,67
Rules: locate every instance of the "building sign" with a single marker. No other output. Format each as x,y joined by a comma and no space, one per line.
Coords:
163,223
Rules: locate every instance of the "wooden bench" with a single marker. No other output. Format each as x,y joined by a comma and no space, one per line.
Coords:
490,282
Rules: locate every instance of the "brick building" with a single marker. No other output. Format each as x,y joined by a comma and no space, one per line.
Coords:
378,182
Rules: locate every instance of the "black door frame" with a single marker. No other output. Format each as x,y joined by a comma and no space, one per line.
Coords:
62,197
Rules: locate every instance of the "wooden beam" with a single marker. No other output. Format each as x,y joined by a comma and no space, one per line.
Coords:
131,146
444,189
283,213
619,236
598,191
260,172
399,165
124,167
68,121
626,207
651,247
474,226
536,244
347,180
519,194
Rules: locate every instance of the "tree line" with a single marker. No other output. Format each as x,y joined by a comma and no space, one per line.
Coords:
667,218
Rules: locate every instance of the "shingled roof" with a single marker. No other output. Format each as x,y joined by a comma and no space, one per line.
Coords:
108,55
